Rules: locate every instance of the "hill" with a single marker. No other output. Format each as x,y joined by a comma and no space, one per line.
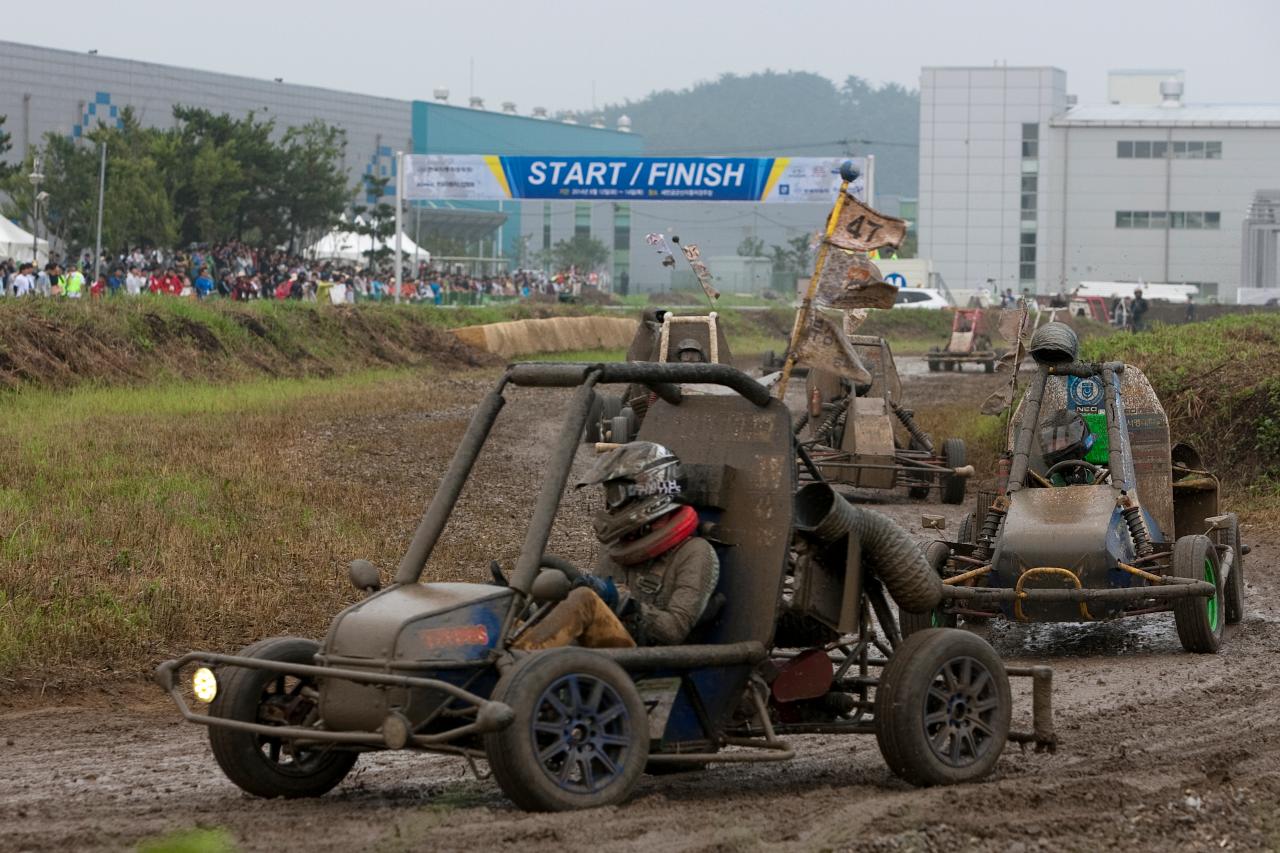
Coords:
790,112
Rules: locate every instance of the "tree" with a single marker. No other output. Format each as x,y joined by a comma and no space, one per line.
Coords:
314,186
6,169
793,258
581,252
71,181
136,205
376,221
751,247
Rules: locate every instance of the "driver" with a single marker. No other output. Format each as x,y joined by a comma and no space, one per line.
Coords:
654,576
689,352
1065,436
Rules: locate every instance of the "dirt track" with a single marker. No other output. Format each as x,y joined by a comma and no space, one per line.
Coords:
1160,750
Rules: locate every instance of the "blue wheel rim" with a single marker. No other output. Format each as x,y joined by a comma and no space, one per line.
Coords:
960,712
581,733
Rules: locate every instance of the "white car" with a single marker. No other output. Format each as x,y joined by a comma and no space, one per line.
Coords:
920,297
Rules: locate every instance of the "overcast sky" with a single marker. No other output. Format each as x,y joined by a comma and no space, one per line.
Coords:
545,53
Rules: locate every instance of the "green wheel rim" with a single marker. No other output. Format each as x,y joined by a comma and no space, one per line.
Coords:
1211,604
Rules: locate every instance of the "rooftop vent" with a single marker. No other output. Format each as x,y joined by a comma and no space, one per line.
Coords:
509,107
540,112
441,94
477,103
1072,100
624,124
597,122
570,120
1171,93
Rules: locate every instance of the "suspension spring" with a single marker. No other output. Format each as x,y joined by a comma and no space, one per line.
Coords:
835,419
1137,528
908,420
990,525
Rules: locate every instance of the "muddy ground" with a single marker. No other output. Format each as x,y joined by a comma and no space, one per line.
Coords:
1160,750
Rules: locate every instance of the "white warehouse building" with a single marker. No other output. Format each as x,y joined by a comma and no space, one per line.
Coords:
1020,187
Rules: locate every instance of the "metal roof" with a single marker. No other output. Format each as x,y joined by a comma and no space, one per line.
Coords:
1155,115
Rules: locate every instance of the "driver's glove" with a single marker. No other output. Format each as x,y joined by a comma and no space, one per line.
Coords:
603,587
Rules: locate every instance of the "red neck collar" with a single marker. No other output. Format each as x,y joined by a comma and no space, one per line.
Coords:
668,532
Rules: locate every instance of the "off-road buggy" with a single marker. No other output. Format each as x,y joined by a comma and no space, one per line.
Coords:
1100,517
865,437
970,343
430,666
661,337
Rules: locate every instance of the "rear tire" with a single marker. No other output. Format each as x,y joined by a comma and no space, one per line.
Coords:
580,738
966,534
942,708
270,767
913,623
1199,620
953,456
932,361
1233,589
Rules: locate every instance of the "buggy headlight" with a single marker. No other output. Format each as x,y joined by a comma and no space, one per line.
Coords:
204,684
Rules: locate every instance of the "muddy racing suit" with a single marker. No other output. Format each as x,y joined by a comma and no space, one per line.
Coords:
659,602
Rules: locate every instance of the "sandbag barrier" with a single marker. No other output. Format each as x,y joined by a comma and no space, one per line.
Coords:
553,334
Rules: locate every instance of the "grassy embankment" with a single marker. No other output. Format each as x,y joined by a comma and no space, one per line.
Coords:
139,520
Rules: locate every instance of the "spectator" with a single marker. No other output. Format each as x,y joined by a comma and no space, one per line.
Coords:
135,282
1138,310
115,281
204,284
73,284
24,282
1191,308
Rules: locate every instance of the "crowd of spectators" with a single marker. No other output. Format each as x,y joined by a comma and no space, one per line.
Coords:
240,272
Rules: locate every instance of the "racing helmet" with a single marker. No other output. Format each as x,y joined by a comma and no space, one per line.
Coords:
689,345
642,482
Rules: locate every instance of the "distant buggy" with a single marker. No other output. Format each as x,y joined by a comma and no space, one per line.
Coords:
1101,517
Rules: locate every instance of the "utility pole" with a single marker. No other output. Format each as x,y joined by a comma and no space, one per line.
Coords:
97,248
399,224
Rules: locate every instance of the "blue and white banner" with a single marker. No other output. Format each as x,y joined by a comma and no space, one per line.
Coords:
477,177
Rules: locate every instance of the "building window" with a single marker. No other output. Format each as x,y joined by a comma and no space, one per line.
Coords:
1027,240
1176,219
1027,254
1029,183
622,226
1160,149
1030,186
582,219
546,225
1027,272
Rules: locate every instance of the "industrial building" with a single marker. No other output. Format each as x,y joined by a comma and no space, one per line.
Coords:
1022,187
46,90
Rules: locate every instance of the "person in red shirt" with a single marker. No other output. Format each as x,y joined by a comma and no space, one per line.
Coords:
172,283
155,282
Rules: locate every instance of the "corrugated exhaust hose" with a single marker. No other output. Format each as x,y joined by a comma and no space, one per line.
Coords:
888,551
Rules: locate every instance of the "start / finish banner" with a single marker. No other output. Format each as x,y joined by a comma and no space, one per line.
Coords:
477,177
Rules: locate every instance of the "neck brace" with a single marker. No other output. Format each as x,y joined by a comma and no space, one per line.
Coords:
667,533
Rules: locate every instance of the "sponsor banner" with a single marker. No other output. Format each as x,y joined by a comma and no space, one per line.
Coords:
773,180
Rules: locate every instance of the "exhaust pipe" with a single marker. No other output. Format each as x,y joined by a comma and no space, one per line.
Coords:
887,549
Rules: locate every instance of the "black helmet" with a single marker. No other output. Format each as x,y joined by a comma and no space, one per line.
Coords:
642,482
1054,343
689,345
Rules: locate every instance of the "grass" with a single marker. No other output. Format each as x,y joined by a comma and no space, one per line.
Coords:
140,520
190,841
1220,388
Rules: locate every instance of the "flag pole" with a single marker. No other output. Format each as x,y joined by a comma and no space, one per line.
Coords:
848,174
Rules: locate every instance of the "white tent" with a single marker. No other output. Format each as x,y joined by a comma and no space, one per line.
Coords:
16,243
350,246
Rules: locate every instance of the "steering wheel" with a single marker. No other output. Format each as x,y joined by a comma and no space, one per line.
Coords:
1096,470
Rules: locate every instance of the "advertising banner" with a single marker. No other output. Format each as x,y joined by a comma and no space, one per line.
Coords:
487,177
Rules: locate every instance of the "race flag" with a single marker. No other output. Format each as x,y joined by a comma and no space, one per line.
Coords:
694,257
848,281
854,319
1015,328
659,244
822,345
863,229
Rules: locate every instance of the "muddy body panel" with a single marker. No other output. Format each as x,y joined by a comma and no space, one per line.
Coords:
430,630
1076,528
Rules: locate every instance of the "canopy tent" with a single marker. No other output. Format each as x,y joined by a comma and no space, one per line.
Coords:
350,246
16,243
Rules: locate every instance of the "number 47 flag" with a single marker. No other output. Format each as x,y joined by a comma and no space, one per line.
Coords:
863,229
